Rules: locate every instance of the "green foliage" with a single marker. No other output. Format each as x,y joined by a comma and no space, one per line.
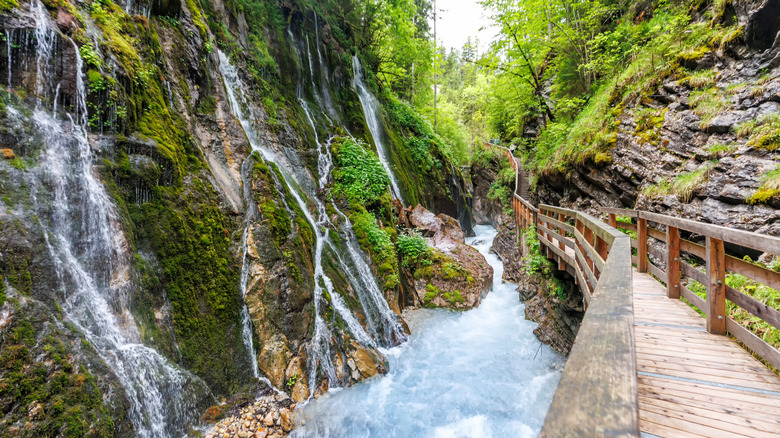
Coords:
769,188
367,229
413,248
45,372
707,104
683,185
762,133
359,175
88,55
8,5
534,262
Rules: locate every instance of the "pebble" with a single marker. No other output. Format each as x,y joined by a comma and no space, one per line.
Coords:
267,417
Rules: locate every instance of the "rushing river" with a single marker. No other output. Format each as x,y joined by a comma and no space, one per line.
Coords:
480,373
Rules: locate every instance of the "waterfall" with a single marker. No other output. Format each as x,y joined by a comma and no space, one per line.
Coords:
320,354
85,238
371,112
246,321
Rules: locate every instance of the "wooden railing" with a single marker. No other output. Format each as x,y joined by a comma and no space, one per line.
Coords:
660,246
597,394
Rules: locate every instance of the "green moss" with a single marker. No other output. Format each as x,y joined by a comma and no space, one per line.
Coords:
762,133
43,373
8,5
770,187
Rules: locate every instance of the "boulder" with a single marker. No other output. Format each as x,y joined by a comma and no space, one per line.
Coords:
455,275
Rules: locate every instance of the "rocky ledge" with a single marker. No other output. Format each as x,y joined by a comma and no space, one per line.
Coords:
455,275
268,417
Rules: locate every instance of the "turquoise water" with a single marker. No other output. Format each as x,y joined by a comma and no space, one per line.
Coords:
480,373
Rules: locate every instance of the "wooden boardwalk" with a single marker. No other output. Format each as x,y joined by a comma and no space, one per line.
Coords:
692,383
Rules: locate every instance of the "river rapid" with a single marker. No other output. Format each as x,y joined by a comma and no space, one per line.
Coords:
480,373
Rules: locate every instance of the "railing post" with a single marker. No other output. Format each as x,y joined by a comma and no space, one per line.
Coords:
602,250
716,286
561,246
612,220
641,228
673,262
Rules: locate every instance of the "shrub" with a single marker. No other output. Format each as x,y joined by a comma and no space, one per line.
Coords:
359,175
413,248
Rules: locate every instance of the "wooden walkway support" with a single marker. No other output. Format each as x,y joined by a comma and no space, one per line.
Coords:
645,363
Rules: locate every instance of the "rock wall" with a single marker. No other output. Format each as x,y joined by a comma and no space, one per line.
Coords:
176,162
677,155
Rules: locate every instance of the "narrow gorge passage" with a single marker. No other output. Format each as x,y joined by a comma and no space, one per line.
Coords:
476,373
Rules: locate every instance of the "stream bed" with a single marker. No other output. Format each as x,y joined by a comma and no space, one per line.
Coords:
480,373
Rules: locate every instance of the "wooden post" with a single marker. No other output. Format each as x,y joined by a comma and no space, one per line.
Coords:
588,234
602,250
612,220
641,225
716,286
561,246
673,262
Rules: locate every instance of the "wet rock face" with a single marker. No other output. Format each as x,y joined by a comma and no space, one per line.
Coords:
485,211
455,276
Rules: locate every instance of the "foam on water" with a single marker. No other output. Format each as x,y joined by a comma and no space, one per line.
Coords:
480,373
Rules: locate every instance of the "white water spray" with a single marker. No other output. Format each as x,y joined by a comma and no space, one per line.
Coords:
371,112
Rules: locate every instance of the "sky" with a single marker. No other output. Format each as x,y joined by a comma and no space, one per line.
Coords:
459,19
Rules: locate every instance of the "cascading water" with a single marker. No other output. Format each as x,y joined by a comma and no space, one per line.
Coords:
246,321
320,355
85,239
371,112
480,373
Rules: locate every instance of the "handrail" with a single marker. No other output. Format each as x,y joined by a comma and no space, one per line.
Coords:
597,393
717,263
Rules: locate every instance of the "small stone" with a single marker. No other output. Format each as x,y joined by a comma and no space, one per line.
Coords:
8,154
286,420
268,420
34,411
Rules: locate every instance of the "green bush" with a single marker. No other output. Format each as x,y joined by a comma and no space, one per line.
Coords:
359,175
413,248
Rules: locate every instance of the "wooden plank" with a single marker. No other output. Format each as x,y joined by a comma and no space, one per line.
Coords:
684,424
695,389
556,223
757,241
691,272
593,255
710,374
626,226
599,228
602,366
642,240
723,420
716,286
583,264
753,342
755,406
661,275
567,241
619,211
663,431
694,299
656,234
755,307
566,257
758,273
673,262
